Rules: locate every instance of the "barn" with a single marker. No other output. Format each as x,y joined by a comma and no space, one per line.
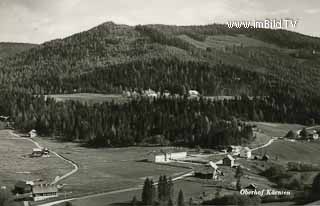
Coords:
44,191
207,171
167,156
228,161
245,152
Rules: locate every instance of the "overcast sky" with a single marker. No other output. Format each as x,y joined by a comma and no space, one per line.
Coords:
36,21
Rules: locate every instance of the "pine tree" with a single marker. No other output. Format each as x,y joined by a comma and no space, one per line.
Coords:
181,199
145,196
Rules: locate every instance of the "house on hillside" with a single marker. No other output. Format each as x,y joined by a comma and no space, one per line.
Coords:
150,93
228,161
33,133
44,191
193,94
245,152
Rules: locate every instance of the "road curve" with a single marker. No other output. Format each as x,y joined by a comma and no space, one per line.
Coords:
265,145
74,165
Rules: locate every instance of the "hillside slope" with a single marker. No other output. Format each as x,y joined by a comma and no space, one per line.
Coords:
9,49
213,59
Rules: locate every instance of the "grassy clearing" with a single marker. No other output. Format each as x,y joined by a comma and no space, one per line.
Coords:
108,169
222,41
293,151
90,98
277,129
269,130
16,165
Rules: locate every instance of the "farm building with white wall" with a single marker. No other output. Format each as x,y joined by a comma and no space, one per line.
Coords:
167,156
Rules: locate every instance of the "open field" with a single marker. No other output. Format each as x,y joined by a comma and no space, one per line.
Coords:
277,129
293,151
90,98
268,130
16,165
109,169
222,41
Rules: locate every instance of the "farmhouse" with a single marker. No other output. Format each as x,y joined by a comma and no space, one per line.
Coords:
22,187
245,152
228,161
36,152
39,152
33,133
313,135
44,191
168,156
208,171
265,157
235,150
252,186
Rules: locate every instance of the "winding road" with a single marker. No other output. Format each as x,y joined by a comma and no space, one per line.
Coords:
58,179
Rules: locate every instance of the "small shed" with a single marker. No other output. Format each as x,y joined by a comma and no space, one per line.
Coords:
44,191
228,161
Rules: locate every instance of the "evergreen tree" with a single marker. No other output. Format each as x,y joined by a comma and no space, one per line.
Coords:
181,199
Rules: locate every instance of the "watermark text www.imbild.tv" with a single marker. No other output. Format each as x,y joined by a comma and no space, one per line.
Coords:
264,24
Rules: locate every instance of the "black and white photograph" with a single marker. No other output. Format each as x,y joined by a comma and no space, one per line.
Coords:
159,102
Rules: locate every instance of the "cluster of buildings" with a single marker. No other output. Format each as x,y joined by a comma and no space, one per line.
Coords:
39,152
35,190
149,93
244,152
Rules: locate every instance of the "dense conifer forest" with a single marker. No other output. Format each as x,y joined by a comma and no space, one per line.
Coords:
282,75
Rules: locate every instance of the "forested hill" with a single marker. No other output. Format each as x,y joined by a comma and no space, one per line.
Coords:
8,49
213,59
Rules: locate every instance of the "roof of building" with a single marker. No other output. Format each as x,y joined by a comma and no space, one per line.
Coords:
22,184
229,157
40,189
213,165
252,186
246,148
37,150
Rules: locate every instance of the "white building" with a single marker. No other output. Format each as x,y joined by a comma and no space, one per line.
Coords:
44,191
150,93
245,152
167,156
193,94
33,133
